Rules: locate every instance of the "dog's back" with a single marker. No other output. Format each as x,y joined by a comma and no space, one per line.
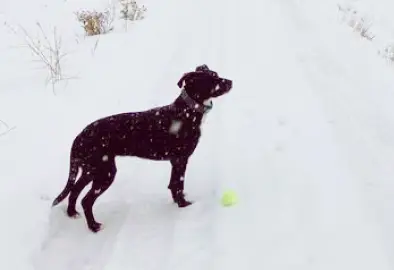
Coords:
159,134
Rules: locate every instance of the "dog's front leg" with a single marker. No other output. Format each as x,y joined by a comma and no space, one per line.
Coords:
177,181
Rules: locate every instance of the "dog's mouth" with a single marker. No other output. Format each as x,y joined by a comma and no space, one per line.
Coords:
223,87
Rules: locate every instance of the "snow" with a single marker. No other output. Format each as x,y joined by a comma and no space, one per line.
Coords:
305,138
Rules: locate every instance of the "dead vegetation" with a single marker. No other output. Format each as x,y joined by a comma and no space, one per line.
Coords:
46,49
96,23
357,22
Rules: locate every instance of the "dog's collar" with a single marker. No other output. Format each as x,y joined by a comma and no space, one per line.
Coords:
201,108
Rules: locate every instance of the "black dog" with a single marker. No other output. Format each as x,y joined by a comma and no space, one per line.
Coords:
167,133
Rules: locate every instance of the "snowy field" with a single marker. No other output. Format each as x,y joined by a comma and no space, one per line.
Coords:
306,136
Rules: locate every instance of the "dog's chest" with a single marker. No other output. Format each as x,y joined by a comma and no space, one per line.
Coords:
177,129
162,136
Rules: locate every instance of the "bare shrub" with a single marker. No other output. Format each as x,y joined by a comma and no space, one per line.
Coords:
96,23
357,22
388,52
48,51
362,27
131,11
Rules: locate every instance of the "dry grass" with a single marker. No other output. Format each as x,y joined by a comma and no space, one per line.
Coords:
96,23
388,52
131,11
47,50
357,22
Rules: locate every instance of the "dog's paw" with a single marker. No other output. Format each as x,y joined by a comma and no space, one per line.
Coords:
184,203
73,214
95,227
179,198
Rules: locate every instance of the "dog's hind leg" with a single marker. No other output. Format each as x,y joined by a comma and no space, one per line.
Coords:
81,183
103,178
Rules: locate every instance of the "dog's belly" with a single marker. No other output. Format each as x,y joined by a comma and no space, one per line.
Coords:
155,146
150,149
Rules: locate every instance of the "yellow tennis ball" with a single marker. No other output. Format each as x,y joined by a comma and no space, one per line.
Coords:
229,198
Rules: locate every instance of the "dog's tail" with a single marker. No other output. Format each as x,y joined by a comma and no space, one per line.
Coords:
70,183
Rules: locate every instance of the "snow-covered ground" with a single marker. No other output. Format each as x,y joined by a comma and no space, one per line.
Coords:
306,137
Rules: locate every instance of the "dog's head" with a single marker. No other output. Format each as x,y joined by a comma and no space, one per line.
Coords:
203,84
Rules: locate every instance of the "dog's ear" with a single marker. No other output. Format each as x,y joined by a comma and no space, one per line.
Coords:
186,77
181,80
202,68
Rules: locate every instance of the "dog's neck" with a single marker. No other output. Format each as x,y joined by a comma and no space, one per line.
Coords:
193,105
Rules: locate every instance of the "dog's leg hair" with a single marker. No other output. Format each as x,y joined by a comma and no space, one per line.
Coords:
102,180
176,184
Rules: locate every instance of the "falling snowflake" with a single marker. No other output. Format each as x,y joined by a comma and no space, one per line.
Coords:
175,127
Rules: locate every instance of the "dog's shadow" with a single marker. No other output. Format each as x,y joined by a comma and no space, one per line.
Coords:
68,244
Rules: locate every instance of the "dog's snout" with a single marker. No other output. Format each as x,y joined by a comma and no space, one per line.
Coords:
228,84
